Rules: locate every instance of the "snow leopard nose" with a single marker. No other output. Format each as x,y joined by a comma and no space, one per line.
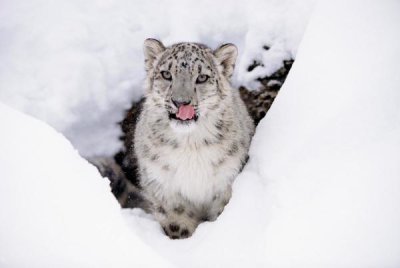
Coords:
179,103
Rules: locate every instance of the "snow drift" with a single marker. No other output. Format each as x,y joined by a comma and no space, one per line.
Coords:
331,143
55,209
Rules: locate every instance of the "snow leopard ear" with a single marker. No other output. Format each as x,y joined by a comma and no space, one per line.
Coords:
151,48
226,56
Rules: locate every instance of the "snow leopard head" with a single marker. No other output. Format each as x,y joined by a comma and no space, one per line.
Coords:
188,81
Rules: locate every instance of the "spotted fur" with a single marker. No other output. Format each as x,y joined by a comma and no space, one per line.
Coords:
180,211
186,168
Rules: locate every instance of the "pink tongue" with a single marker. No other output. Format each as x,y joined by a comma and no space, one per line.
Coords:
185,112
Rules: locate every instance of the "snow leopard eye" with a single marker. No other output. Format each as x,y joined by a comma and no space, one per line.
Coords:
166,75
201,79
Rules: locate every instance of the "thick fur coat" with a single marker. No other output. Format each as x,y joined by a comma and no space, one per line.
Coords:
186,167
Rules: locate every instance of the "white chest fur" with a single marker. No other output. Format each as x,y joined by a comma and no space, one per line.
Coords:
192,171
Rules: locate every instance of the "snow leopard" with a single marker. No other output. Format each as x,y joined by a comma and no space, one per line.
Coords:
188,140
123,170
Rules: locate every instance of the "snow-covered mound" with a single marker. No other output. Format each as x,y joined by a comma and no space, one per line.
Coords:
55,209
329,149
78,64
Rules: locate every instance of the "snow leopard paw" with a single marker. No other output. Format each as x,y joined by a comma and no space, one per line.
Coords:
178,230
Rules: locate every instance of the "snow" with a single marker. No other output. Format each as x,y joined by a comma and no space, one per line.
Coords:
77,65
55,209
322,186
332,143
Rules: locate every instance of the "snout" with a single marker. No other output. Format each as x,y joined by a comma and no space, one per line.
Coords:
180,102
185,110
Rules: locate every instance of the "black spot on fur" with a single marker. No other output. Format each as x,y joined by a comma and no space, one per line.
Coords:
174,227
244,162
161,210
233,149
118,187
205,218
179,210
243,143
185,233
173,144
132,196
134,200
219,124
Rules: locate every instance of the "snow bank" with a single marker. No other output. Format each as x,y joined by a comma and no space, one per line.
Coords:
78,64
55,209
331,143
